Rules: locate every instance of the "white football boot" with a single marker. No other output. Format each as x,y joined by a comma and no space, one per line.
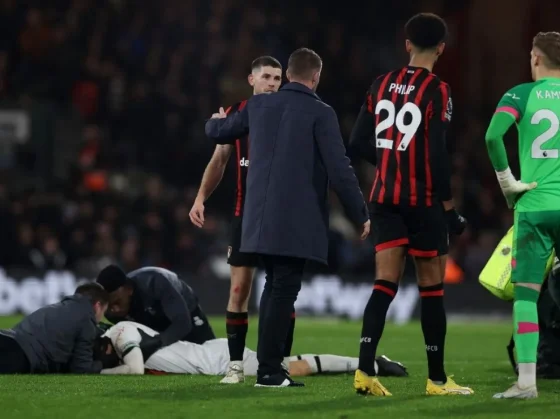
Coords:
516,392
235,373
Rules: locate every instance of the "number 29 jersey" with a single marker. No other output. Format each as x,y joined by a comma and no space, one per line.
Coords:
411,109
536,110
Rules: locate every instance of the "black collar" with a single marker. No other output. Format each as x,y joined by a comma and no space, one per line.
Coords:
298,87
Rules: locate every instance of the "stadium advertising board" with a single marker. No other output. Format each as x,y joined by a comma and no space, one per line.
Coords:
22,292
346,297
26,291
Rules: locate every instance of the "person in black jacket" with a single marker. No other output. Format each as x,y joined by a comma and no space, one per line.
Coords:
296,151
157,298
58,338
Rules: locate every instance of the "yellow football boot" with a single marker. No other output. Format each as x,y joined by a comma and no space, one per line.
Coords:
450,388
364,384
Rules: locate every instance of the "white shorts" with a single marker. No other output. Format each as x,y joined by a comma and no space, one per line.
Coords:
210,358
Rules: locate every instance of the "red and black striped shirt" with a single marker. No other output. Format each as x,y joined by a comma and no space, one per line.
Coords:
241,151
401,129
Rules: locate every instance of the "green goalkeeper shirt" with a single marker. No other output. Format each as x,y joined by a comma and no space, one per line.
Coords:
535,109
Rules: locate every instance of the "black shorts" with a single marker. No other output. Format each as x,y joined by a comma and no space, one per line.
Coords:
423,230
234,256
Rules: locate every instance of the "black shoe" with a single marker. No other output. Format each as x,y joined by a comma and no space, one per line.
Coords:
277,380
388,368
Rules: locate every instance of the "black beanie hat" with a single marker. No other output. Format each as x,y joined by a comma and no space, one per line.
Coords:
111,278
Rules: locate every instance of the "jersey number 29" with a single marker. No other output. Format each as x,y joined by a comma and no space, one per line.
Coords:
408,130
536,151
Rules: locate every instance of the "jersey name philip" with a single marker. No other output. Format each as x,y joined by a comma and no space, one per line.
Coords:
401,89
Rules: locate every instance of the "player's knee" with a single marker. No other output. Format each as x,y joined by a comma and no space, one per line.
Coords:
237,305
536,287
241,279
240,289
429,277
388,275
428,281
238,298
389,264
526,292
430,271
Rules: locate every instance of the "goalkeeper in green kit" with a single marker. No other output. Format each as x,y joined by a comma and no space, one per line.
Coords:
535,109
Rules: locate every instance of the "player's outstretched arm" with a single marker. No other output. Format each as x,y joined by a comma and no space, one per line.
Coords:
211,178
226,129
133,364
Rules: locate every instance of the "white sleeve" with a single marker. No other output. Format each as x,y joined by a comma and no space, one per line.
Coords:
128,339
133,364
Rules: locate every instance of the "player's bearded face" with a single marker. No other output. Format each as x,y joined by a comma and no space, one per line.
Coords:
266,80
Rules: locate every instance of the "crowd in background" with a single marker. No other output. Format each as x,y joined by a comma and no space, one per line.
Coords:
119,90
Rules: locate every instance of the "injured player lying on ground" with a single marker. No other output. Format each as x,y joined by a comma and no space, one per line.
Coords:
212,357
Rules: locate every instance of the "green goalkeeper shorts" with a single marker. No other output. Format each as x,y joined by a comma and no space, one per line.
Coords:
535,235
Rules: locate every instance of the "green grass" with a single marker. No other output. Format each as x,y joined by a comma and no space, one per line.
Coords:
475,354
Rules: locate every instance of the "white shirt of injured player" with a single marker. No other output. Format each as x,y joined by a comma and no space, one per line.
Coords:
212,357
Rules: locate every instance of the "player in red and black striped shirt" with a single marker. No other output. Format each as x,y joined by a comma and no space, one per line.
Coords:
265,77
401,129
410,109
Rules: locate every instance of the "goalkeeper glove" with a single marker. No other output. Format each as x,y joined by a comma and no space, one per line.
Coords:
149,344
511,187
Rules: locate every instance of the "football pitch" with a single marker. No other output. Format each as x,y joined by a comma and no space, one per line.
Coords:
475,355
